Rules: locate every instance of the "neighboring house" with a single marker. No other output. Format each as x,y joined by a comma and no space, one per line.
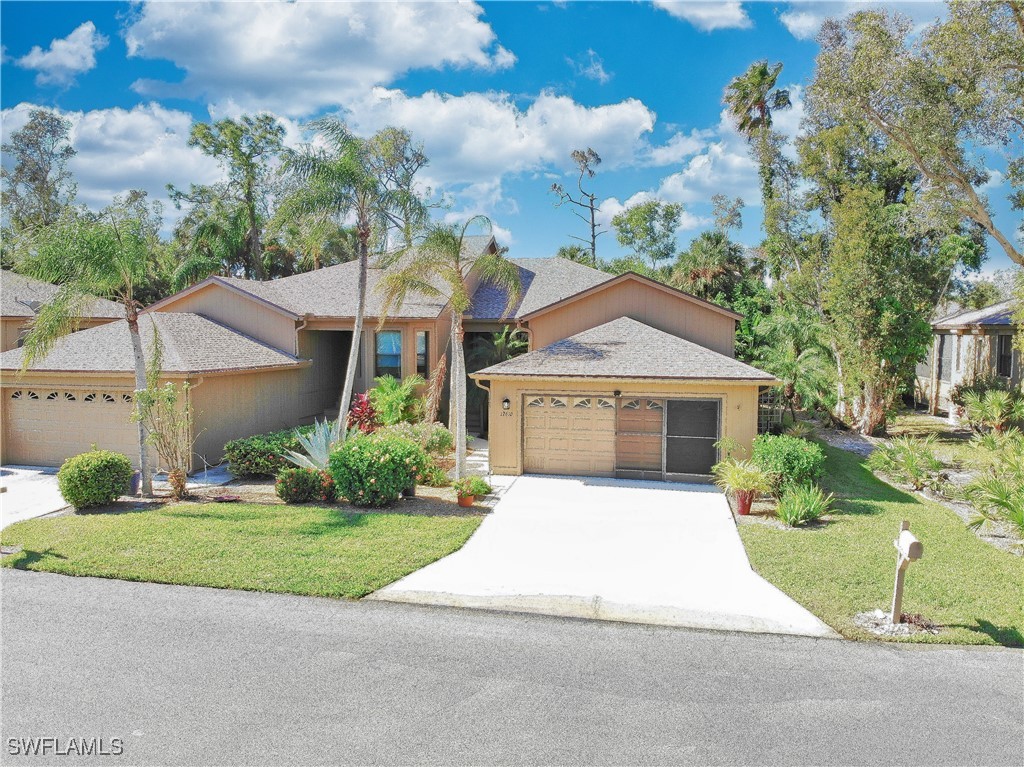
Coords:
21,297
968,345
646,373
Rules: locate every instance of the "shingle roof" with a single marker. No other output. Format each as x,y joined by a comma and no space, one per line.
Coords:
18,295
544,281
996,314
332,291
626,348
192,343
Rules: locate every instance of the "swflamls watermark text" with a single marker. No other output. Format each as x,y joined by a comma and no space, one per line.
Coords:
65,747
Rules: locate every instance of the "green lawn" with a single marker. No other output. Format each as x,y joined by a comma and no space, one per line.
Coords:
846,566
289,549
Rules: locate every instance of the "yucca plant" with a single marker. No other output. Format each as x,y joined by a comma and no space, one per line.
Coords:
744,479
801,504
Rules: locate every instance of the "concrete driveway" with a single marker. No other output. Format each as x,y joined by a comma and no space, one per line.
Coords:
644,552
31,491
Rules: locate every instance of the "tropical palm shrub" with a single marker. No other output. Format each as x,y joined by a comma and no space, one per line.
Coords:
397,400
994,409
801,504
998,490
301,485
95,478
910,460
373,470
788,461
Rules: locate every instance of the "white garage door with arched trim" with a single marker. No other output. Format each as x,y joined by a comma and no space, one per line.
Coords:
44,426
569,435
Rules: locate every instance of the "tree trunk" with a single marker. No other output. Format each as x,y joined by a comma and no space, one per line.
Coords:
357,327
458,396
140,386
254,246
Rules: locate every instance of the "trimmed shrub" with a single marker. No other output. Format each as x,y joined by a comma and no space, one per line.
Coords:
434,438
788,461
373,470
801,504
907,459
263,455
95,478
301,485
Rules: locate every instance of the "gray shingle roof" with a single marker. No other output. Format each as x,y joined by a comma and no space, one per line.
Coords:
19,293
996,314
192,343
332,291
626,348
544,281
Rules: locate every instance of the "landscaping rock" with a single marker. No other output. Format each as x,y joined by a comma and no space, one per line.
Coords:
878,623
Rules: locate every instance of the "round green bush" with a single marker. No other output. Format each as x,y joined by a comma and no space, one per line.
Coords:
788,461
301,485
95,478
373,470
263,455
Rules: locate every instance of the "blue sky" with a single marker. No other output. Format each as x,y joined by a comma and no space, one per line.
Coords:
499,93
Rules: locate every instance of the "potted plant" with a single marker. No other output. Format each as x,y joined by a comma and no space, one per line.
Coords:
468,489
744,479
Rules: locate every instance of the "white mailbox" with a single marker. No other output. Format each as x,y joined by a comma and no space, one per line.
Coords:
908,546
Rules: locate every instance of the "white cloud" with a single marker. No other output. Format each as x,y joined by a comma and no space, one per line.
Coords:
708,16
479,137
295,58
803,19
679,147
121,149
66,57
591,66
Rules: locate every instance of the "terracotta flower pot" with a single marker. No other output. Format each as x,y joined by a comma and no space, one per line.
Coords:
466,500
744,500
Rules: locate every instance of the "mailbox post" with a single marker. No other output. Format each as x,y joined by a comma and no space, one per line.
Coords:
908,549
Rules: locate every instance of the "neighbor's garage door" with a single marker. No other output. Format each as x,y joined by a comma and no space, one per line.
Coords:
43,427
569,435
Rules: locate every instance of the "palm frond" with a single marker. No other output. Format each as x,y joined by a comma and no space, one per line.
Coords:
59,316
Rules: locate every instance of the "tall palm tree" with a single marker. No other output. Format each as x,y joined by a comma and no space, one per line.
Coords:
371,180
713,264
439,267
752,98
87,256
792,351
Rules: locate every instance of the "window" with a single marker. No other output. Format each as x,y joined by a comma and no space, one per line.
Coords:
90,397
389,354
633,404
605,403
108,397
1004,356
536,402
423,353
653,404
945,356
582,402
558,402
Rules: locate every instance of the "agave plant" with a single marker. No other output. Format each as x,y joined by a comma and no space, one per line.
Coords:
318,444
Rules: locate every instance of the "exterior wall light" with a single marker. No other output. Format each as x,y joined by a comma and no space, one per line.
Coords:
506,403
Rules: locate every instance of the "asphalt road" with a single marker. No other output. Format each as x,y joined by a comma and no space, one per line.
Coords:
204,677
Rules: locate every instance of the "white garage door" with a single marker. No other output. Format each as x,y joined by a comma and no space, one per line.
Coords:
43,427
569,435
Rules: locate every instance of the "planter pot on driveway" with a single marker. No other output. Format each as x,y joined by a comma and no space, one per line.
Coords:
466,500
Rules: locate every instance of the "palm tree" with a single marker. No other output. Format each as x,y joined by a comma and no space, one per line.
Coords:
107,256
751,99
439,267
490,349
792,352
713,264
371,180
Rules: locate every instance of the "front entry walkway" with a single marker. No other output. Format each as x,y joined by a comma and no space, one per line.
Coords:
643,552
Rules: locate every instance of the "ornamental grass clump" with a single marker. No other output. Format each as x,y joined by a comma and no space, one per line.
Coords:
373,470
744,479
801,504
95,478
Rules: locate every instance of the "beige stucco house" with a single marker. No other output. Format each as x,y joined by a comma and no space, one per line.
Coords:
269,355
21,297
967,345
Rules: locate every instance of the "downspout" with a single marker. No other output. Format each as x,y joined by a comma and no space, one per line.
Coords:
305,321
520,325
193,435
